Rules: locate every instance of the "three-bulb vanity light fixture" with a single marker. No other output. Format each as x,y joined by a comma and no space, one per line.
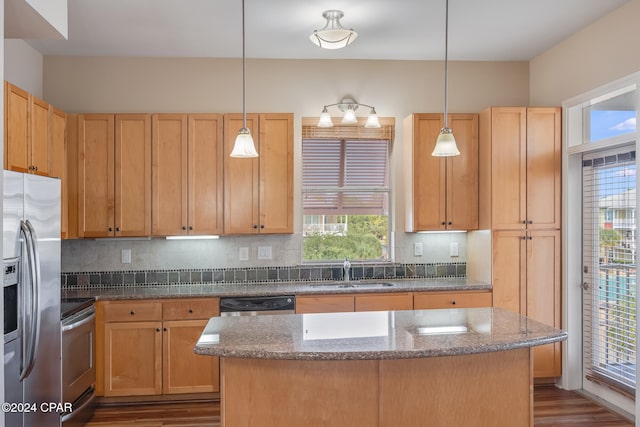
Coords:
348,106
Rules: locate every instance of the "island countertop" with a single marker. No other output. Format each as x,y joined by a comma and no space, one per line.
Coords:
375,335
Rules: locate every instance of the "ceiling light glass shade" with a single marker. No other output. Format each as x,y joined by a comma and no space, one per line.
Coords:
372,120
349,116
445,144
333,35
325,119
244,147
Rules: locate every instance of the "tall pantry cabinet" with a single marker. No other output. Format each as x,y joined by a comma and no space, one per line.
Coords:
520,184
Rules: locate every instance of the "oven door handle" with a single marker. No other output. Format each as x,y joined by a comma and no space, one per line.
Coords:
79,323
87,402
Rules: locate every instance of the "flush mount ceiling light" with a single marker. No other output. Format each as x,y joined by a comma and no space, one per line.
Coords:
333,35
446,143
244,146
348,106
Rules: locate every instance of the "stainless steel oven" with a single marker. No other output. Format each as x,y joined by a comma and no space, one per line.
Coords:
78,360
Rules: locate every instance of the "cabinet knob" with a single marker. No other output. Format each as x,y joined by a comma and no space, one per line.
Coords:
449,222
255,226
164,329
261,225
184,227
157,329
190,228
524,237
443,223
110,229
190,311
117,228
530,237
453,302
524,221
530,221
133,312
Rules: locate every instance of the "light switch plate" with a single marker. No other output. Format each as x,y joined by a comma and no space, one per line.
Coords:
417,249
264,252
453,249
125,255
243,254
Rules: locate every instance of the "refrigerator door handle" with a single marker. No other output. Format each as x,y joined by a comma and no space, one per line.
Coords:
33,331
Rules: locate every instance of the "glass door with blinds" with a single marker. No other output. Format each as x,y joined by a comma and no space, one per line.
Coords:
609,268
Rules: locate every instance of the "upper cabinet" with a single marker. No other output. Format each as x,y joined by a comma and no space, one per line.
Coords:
442,191
114,175
520,150
258,192
30,126
187,174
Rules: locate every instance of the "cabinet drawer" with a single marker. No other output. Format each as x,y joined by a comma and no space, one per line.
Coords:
383,302
324,304
467,299
132,311
190,308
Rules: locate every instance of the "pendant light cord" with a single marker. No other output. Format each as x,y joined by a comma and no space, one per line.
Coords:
244,79
446,60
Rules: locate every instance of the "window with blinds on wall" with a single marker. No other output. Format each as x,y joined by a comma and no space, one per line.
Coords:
345,185
609,272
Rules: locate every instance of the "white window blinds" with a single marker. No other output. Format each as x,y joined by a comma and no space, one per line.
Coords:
609,272
345,176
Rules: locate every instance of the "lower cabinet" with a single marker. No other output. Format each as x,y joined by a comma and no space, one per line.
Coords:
446,299
145,348
354,302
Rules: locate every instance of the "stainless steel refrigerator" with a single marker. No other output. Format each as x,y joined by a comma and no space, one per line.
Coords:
31,244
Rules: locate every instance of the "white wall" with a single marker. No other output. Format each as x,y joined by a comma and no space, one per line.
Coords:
601,53
395,88
23,66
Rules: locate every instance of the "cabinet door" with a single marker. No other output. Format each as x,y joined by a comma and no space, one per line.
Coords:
428,201
40,147
543,168
57,161
133,358
462,174
16,129
133,175
465,299
276,173
169,174
96,175
509,270
508,167
241,180
383,302
205,160
543,295
325,303
183,370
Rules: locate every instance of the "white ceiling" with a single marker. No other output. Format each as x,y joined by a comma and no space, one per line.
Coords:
479,30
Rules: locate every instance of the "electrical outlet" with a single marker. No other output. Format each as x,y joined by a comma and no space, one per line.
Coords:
125,255
453,249
243,254
264,252
417,249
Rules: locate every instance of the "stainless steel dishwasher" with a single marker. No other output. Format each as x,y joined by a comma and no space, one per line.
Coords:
254,306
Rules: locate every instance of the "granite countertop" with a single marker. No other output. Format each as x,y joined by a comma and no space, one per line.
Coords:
373,335
275,288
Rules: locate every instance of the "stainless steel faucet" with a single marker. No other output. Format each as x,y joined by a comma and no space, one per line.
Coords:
346,270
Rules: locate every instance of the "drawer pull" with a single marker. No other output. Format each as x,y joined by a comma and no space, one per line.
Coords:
453,302
190,311
133,312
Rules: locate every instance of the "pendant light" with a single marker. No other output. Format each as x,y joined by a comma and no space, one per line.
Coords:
244,146
446,143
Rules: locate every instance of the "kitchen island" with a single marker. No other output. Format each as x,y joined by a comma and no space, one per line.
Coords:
450,367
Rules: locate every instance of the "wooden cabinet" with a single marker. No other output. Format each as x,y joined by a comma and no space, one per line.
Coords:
187,174
354,302
114,175
31,128
446,299
59,163
520,182
146,348
526,279
443,191
258,192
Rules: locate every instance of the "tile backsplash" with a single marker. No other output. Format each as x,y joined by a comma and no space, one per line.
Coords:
260,274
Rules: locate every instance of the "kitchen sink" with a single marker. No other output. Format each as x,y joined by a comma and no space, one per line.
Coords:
354,284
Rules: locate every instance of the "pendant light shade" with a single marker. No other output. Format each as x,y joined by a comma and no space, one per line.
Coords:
244,146
325,119
372,120
333,35
446,143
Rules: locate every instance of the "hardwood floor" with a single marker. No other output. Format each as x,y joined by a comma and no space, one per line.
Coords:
552,408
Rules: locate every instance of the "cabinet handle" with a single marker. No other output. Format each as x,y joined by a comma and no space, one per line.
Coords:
190,228
449,222
524,237
190,311
261,225
530,221
184,227
453,302
255,226
157,329
443,223
117,228
530,237
133,312
524,221
164,329
110,229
